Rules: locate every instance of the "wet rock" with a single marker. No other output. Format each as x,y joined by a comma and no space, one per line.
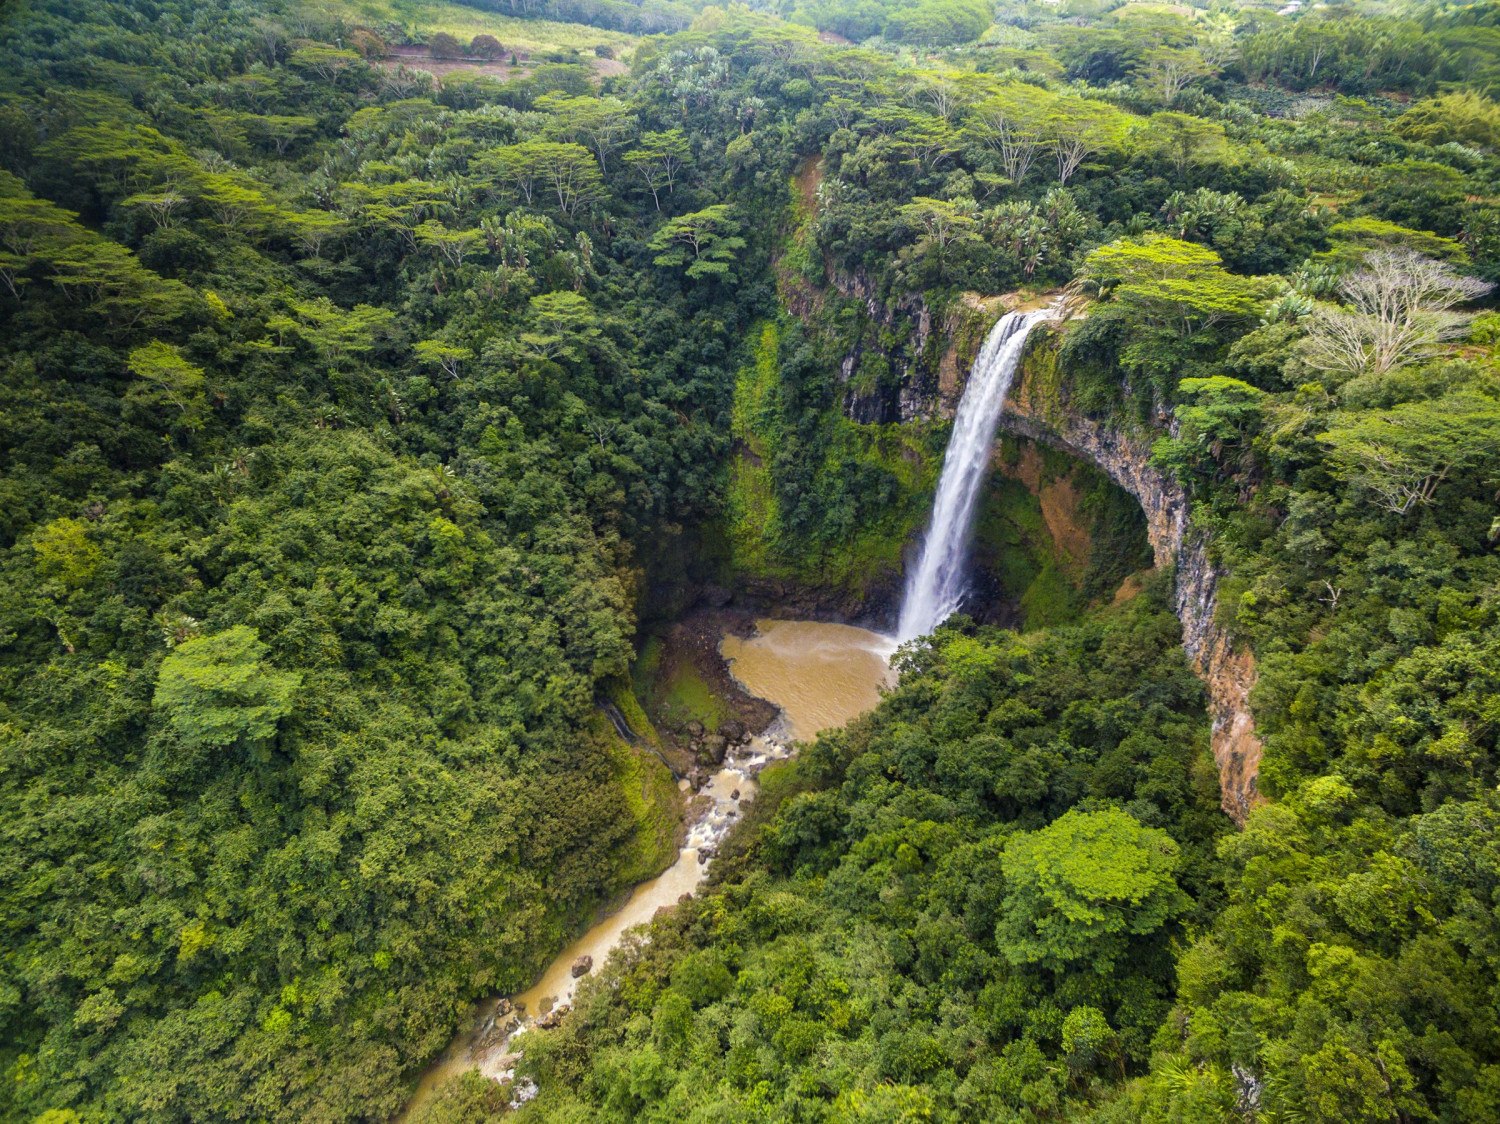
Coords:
732,730
554,1020
520,1008
545,1004
498,1026
715,747
715,596
683,899
695,728
582,966
735,795
704,854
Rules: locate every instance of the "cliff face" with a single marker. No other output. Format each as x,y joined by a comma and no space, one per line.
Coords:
907,379
921,361
1039,409
923,376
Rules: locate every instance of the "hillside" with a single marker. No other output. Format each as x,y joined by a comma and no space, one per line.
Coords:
366,428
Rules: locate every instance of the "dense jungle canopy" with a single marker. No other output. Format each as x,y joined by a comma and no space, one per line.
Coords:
372,373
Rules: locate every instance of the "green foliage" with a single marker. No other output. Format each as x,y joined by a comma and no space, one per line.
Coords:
1173,283
167,379
350,415
329,478
1461,117
1183,139
1217,420
939,22
1356,236
705,241
1082,886
217,690
871,920
814,495
65,554
1400,457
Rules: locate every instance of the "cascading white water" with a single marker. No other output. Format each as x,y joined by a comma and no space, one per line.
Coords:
935,585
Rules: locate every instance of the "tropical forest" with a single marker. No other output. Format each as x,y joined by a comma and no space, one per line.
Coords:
727,562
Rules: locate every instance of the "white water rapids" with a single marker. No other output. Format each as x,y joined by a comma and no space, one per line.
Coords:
935,585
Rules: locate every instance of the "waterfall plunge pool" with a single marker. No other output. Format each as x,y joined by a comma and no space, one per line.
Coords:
818,675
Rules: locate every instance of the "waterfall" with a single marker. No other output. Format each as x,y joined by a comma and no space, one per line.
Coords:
935,585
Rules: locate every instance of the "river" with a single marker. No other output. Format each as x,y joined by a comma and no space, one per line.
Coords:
819,676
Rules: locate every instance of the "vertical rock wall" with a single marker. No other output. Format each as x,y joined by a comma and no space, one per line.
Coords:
928,373
1039,409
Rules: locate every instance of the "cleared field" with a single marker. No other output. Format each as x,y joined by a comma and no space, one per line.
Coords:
531,36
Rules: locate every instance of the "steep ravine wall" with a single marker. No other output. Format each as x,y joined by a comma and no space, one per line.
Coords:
1038,408
929,369
926,358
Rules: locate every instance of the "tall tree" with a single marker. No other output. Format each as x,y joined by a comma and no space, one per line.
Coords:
1080,128
1400,308
658,159
1012,124
1402,455
705,241
1082,887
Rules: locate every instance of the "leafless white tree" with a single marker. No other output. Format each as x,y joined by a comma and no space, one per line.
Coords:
1399,309
1011,124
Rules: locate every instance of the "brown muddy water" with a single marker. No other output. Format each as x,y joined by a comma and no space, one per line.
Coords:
820,676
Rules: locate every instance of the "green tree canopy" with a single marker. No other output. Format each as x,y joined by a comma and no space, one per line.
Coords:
1174,283
1401,456
705,241
1081,887
1460,115
218,690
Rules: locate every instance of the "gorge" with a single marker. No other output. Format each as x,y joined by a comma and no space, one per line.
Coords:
821,675
1009,391
465,468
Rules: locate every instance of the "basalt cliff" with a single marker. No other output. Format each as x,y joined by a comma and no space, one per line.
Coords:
1040,409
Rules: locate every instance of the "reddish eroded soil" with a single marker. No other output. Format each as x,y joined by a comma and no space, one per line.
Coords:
1059,500
801,298
808,179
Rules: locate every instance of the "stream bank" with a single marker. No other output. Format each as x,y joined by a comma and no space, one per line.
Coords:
697,675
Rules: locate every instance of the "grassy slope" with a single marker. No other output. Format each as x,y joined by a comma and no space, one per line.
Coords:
678,694
873,555
648,789
532,36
